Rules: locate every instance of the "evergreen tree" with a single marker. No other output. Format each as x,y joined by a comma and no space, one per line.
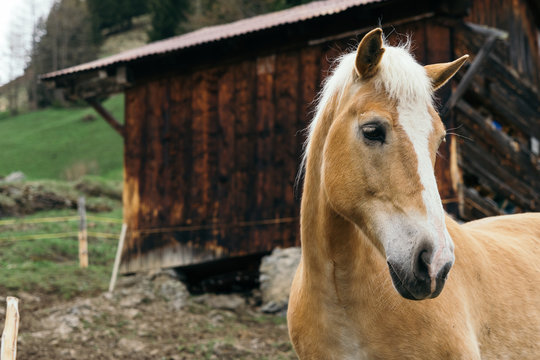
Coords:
113,16
66,41
166,17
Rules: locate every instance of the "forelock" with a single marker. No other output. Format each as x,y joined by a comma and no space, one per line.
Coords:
399,75
402,77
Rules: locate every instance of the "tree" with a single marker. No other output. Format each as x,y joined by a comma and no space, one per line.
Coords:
203,13
15,56
166,17
66,41
113,16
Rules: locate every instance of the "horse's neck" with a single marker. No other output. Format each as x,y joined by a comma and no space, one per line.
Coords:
335,253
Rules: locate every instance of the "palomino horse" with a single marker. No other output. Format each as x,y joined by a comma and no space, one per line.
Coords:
371,217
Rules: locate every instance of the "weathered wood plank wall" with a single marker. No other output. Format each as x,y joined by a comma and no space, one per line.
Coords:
211,155
496,121
516,17
214,155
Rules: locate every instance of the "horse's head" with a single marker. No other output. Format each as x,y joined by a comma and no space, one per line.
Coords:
378,160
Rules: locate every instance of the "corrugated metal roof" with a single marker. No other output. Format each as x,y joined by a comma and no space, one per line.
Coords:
219,32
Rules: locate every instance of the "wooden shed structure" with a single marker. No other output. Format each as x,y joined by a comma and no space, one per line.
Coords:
214,118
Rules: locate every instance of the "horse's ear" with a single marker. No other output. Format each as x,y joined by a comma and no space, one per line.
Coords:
441,73
369,53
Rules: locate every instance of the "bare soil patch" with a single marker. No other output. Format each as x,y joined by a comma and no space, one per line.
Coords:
151,317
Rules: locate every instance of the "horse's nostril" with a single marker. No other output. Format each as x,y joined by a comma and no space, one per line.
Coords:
421,270
443,274
425,257
422,262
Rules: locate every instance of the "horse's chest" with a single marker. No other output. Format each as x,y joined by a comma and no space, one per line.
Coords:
349,344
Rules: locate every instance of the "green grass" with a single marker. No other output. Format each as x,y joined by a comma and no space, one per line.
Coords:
56,143
51,265
49,146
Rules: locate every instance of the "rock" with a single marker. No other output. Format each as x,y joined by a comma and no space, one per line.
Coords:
273,307
107,296
226,351
82,308
132,300
137,291
16,176
96,188
68,352
178,304
131,344
162,273
143,288
167,285
62,324
216,317
28,298
130,313
231,302
276,274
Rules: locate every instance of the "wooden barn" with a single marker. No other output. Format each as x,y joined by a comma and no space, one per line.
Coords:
214,118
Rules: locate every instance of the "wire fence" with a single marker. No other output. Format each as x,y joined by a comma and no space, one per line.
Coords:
81,235
56,235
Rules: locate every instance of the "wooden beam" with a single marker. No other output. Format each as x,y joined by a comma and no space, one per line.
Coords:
509,78
509,108
107,116
475,206
507,148
487,30
469,75
499,179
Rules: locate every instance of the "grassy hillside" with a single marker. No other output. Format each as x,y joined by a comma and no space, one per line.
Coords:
62,143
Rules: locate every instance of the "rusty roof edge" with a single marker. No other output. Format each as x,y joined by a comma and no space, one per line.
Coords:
207,35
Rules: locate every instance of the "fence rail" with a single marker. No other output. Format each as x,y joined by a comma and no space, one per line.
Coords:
60,219
81,234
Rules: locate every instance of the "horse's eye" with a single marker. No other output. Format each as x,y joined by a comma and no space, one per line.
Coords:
374,132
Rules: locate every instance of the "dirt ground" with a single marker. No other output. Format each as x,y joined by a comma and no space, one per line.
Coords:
150,317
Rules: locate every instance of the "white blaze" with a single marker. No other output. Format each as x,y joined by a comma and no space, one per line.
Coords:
418,125
406,81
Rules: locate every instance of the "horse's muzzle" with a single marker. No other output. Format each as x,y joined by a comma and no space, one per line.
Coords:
417,284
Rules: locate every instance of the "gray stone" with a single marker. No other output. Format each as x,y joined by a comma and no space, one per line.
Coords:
62,324
276,274
28,298
225,351
15,177
272,307
168,286
231,302
130,313
131,344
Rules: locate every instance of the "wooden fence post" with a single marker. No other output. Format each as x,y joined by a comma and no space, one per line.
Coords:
11,329
118,257
83,238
